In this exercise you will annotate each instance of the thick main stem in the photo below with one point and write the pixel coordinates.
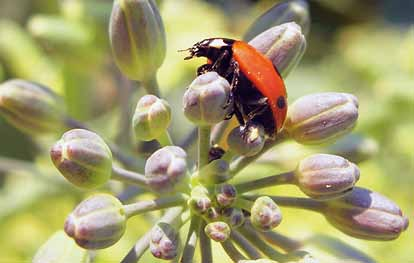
(203, 145)
(284, 178)
(151, 205)
(191, 241)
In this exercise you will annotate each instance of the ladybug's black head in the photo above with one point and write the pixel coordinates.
(210, 48)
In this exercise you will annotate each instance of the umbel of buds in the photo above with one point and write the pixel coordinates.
(83, 158)
(152, 118)
(207, 100)
(323, 176)
(166, 169)
(265, 214)
(137, 36)
(246, 141)
(97, 222)
(321, 117)
(31, 107)
(164, 242)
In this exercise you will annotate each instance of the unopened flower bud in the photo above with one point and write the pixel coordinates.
(207, 99)
(323, 176)
(199, 201)
(321, 117)
(31, 107)
(152, 118)
(355, 148)
(97, 222)
(247, 141)
(83, 158)
(218, 231)
(164, 243)
(367, 215)
(166, 168)
(265, 214)
(137, 36)
(284, 45)
(233, 216)
(225, 194)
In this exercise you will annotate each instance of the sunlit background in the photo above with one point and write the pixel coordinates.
(361, 47)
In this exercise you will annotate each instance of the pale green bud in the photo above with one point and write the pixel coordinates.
(265, 214)
(218, 231)
(247, 141)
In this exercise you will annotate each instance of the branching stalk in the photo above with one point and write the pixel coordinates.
(191, 241)
(245, 245)
(232, 251)
(279, 179)
(157, 204)
(205, 245)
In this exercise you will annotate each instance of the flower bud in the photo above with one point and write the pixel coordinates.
(218, 231)
(284, 45)
(30, 107)
(367, 215)
(166, 168)
(97, 222)
(323, 176)
(225, 194)
(83, 158)
(233, 216)
(265, 214)
(164, 243)
(207, 99)
(152, 118)
(321, 117)
(286, 11)
(199, 201)
(247, 141)
(137, 37)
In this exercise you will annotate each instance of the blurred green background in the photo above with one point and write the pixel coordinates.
(362, 47)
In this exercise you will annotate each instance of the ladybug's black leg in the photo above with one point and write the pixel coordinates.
(203, 69)
(220, 60)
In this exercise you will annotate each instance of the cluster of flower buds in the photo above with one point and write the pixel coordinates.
(209, 196)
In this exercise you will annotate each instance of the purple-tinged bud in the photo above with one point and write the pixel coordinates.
(265, 214)
(97, 222)
(207, 100)
(165, 241)
(247, 141)
(137, 36)
(218, 231)
(31, 107)
(83, 158)
(199, 201)
(321, 117)
(61, 248)
(225, 194)
(233, 216)
(367, 215)
(324, 176)
(152, 118)
(284, 45)
(166, 169)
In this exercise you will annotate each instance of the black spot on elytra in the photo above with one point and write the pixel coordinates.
(281, 103)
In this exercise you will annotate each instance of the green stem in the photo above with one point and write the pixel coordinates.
(157, 204)
(296, 202)
(203, 145)
(124, 134)
(250, 233)
(191, 241)
(241, 162)
(278, 179)
(218, 131)
(245, 245)
(165, 139)
(151, 85)
(232, 251)
(284, 242)
(189, 139)
(142, 244)
(205, 245)
(243, 204)
(126, 176)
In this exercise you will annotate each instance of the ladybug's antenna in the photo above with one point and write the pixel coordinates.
(192, 51)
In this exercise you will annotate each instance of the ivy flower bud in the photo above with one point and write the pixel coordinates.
(152, 118)
(367, 215)
(233, 216)
(247, 141)
(321, 117)
(218, 231)
(164, 242)
(30, 107)
(97, 222)
(199, 201)
(207, 99)
(284, 45)
(83, 158)
(323, 176)
(166, 168)
(137, 37)
(265, 214)
(225, 194)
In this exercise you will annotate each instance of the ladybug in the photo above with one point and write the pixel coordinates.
(258, 90)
